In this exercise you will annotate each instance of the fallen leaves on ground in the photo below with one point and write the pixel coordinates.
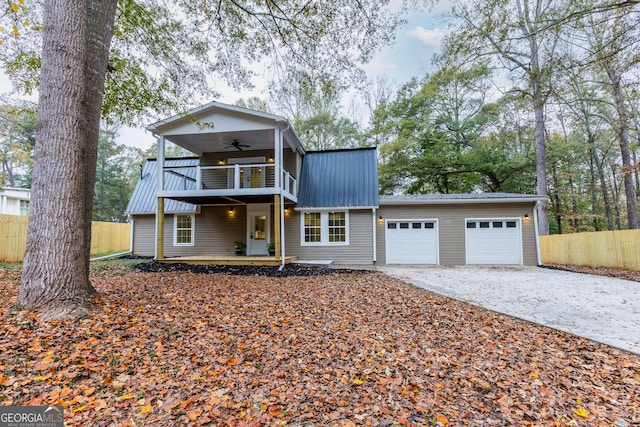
(166, 349)
(618, 273)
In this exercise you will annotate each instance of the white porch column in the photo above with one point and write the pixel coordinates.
(160, 205)
(160, 161)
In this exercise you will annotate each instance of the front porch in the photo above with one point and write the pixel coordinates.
(215, 234)
(230, 260)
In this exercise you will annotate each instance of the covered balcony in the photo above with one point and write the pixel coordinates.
(241, 159)
(237, 153)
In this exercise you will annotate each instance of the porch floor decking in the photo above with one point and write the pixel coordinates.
(229, 260)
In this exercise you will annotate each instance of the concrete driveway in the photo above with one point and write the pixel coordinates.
(599, 308)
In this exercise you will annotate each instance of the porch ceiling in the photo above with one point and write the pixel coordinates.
(221, 141)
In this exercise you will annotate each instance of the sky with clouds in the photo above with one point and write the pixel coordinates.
(410, 56)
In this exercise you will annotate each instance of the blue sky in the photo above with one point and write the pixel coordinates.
(410, 56)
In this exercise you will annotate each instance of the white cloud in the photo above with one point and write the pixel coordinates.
(379, 66)
(429, 38)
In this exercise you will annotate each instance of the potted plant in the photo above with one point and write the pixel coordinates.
(271, 247)
(239, 247)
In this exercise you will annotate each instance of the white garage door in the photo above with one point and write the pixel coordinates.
(493, 241)
(411, 242)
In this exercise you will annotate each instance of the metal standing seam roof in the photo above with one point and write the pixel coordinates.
(143, 199)
(339, 178)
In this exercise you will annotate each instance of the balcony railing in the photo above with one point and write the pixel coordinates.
(236, 177)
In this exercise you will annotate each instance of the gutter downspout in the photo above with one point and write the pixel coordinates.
(537, 233)
(375, 238)
(133, 224)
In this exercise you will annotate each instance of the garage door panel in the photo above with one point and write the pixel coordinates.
(493, 242)
(411, 242)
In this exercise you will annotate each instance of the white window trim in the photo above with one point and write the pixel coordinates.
(175, 230)
(324, 228)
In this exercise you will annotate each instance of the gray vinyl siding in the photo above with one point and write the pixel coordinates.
(215, 232)
(290, 162)
(451, 226)
(359, 250)
(144, 235)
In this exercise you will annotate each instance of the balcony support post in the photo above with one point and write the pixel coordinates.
(160, 161)
(236, 176)
(277, 158)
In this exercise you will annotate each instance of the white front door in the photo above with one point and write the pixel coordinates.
(258, 229)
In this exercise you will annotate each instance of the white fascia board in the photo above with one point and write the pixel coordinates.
(334, 208)
(214, 104)
(460, 201)
(194, 212)
(290, 136)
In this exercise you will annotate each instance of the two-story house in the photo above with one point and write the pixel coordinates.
(251, 183)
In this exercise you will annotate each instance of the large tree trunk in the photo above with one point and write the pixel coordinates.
(541, 154)
(623, 139)
(603, 185)
(75, 50)
(535, 81)
(556, 198)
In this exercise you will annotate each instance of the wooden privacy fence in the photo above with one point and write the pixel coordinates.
(105, 237)
(616, 249)
(110, 237)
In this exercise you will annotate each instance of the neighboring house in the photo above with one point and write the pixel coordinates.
(251, 181)
(14, 201)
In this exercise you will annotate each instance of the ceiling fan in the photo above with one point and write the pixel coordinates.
(236, 144)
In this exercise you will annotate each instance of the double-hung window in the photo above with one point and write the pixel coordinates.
(325, 228)
(183, 230)
(24, 207)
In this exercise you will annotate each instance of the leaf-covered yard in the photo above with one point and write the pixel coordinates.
(345, 349)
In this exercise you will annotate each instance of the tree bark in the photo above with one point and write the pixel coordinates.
(75, 51)
(541, 147)
(556, 198)
(536, 81)
(623, 139)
